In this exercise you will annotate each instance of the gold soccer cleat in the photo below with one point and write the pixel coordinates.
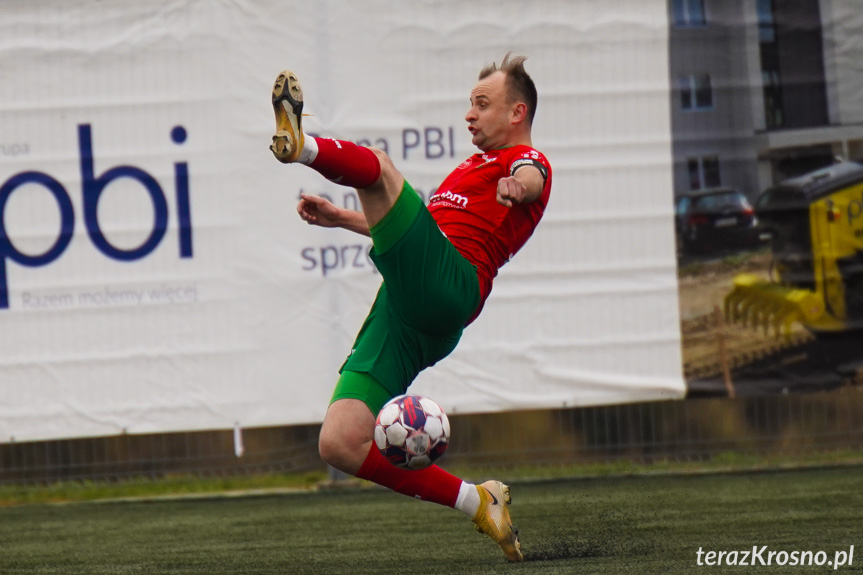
(492, 518)
(288, 106)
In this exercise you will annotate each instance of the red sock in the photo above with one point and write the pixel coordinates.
(429, 484)
(346, 163)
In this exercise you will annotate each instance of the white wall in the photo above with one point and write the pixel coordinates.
(238, 323)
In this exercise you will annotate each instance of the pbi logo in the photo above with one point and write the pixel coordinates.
(92, 186)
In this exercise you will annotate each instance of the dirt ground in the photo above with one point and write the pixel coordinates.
(703, 286)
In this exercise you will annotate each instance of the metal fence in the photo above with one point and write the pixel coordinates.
(684, 430)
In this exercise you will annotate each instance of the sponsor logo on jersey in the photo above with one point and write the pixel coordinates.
(455, 199)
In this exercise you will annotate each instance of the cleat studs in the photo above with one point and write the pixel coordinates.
(287, 100)
(281, 146)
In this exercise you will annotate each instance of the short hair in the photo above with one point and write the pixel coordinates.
(519, 85)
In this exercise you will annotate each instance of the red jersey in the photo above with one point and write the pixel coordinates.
(485, 232)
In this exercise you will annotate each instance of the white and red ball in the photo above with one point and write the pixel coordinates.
(411, 431)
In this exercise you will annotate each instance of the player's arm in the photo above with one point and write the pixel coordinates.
(523, 186)
(317, 211)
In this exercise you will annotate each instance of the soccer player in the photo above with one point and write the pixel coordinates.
(437, 263)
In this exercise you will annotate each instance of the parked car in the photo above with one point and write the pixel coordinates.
(715, 219)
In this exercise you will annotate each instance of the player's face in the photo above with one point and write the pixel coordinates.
(489, 116)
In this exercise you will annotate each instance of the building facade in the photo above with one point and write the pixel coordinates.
(763, 90)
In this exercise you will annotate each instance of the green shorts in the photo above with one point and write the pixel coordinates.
(429, 292)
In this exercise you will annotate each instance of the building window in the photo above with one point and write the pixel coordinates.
(703, 172)
(772, 98)
(770, 77)
(766, 24)
(696, 92)
(688, 12)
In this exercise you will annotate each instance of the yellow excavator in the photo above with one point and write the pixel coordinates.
(815, 224)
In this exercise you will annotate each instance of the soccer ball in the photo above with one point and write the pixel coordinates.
(411, 431)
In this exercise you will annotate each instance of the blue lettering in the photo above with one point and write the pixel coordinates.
(329, 263)
(332, 259)
(451, 132)
(351, 201)
(434, 148)
(308, 255)
(184, 209)
(92, 191)
(7, 248)
(434, 142)
(410, 140)
(92, 187)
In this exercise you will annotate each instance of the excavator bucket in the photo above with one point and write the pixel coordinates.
(757, 303)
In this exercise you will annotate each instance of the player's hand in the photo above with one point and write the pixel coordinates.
(510, 191)
(317, 211)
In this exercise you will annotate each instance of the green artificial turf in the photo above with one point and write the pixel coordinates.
(647, 524)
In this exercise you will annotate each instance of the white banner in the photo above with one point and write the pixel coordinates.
(154, 275)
